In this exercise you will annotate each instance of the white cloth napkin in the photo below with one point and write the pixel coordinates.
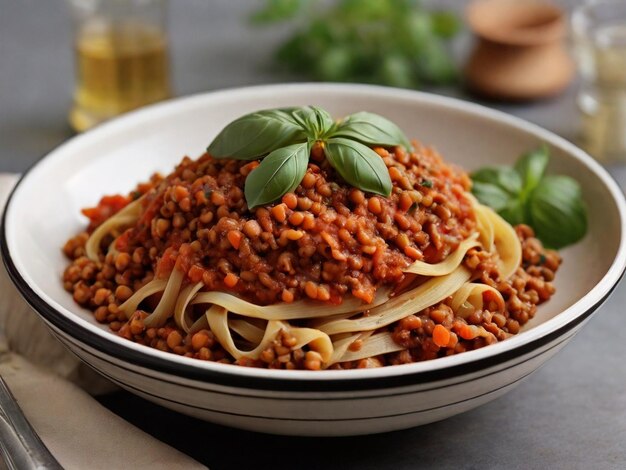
(51, 387)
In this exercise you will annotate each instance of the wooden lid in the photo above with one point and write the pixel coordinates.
(515, 22)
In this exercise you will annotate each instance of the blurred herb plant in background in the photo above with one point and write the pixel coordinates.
(390, 42)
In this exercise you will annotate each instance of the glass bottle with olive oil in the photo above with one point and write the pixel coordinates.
(600, 39)
(122, 61)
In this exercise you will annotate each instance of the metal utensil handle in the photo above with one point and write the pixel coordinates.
(20, 445)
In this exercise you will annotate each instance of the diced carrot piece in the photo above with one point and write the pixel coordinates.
(230, 280)
(468, 332)
(366, 296)
(195, 273)
(441, 336)
(234, 237)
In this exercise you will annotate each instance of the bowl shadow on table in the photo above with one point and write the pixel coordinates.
(434, 445)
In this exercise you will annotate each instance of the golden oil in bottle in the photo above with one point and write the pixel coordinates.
(118, 69)
(602, 99)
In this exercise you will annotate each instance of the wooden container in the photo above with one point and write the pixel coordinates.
(520, 52)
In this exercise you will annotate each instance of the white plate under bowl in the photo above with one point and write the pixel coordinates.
(44, 211)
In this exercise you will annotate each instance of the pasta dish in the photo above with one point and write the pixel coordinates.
(326, 276)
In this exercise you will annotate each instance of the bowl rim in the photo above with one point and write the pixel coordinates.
(146, 359)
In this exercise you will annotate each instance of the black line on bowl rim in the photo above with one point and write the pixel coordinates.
(139, 391)
(264, 397)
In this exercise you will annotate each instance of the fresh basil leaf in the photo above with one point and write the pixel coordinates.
(371, 129)
(305, 117)
(531, 167)
(504, 177)
(359, 165)
(282, 114)
(557, 211)
(491, 195)
(551, 205)
(255, 135)
(326, 123)
(279, 173)
(352, 40)
(514, 212)
(316, 121)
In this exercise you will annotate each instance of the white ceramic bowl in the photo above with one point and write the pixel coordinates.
(44, 211)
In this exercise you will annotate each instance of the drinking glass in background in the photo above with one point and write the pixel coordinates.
(121, 58)
(599, 29)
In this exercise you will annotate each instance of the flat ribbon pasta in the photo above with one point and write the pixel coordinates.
(124, 218)
(217, 317)
(300, 309)
(132, 304)
(375, 345)
(485, 227)
(180, 310)
(446, 266)
(470, 297)
(506, 244)
(429, 293)
(165, 307)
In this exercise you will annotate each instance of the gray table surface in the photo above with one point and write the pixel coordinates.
(570, 414)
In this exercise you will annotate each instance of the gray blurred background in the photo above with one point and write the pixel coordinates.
(213, 46)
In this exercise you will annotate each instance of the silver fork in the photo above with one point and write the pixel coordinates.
(20, 446)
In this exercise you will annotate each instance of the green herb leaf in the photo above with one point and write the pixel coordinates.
(279, 173)
(359, 165)
(371, 129)
(491, 195)
(557, 211)
(282, 139)
(514, 212)
(505, 178)
(257, 134)
(393, 42)
(316, 121)
(531, 168)
(551, 205)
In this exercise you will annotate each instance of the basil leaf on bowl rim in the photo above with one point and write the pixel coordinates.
(371, 129)
(491, 195)
(255, 135)
(359, 165)
(504, 177)
(531, 167)
(277, 174)
(557, 211)
(514, 212)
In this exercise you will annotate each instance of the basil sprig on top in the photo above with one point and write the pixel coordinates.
(283, 138)
(551, 204)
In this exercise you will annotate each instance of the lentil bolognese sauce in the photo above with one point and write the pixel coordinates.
(325, 276)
